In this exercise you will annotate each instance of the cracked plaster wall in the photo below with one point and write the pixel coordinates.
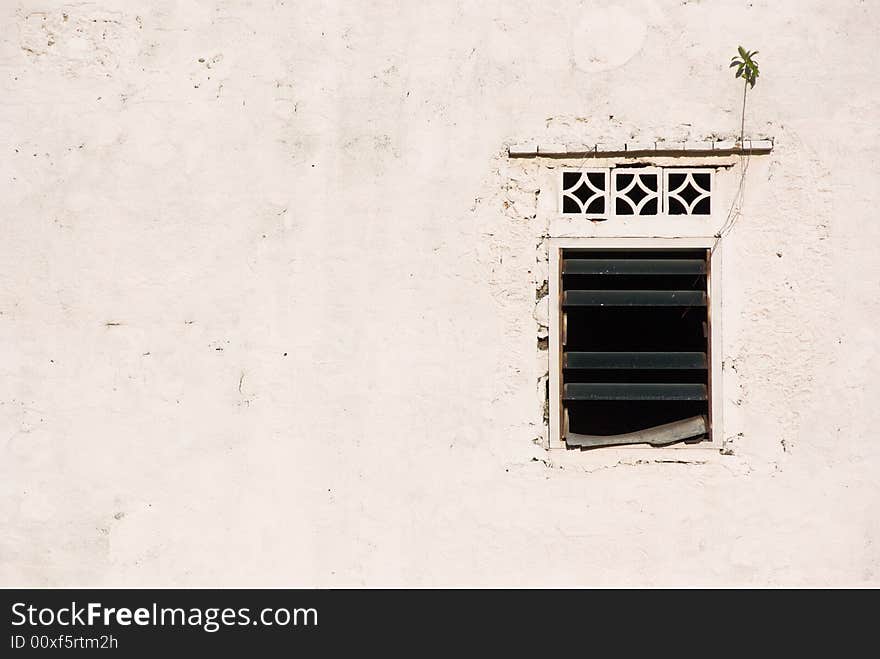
(268, 297)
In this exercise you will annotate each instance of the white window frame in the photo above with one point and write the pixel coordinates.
(713, 288)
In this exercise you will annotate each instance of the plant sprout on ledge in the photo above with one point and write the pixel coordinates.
(747, 69)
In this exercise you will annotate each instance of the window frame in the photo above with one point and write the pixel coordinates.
(713, 288)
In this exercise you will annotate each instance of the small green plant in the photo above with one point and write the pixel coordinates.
(747, 69)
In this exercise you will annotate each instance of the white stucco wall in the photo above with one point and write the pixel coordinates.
(268, 281)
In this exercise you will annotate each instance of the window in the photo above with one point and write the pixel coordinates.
(632, 338)
(622, 192)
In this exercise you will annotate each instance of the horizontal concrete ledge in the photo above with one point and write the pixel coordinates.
(716, 148)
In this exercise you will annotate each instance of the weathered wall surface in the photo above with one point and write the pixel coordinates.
(268, 282)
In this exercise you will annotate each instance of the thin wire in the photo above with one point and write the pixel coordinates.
(587, 154)
(736, 205)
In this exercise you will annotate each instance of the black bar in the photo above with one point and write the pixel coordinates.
(397, 622)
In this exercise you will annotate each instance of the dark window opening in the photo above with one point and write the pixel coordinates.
(582, 192)
(674, 207)
(597, 179)
(635, 362)
(702, 179)
(702, 207)
(569, 205)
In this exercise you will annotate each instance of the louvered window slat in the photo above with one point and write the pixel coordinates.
(633, 391)
(636, 298)
(633, 360)
(634, 266)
